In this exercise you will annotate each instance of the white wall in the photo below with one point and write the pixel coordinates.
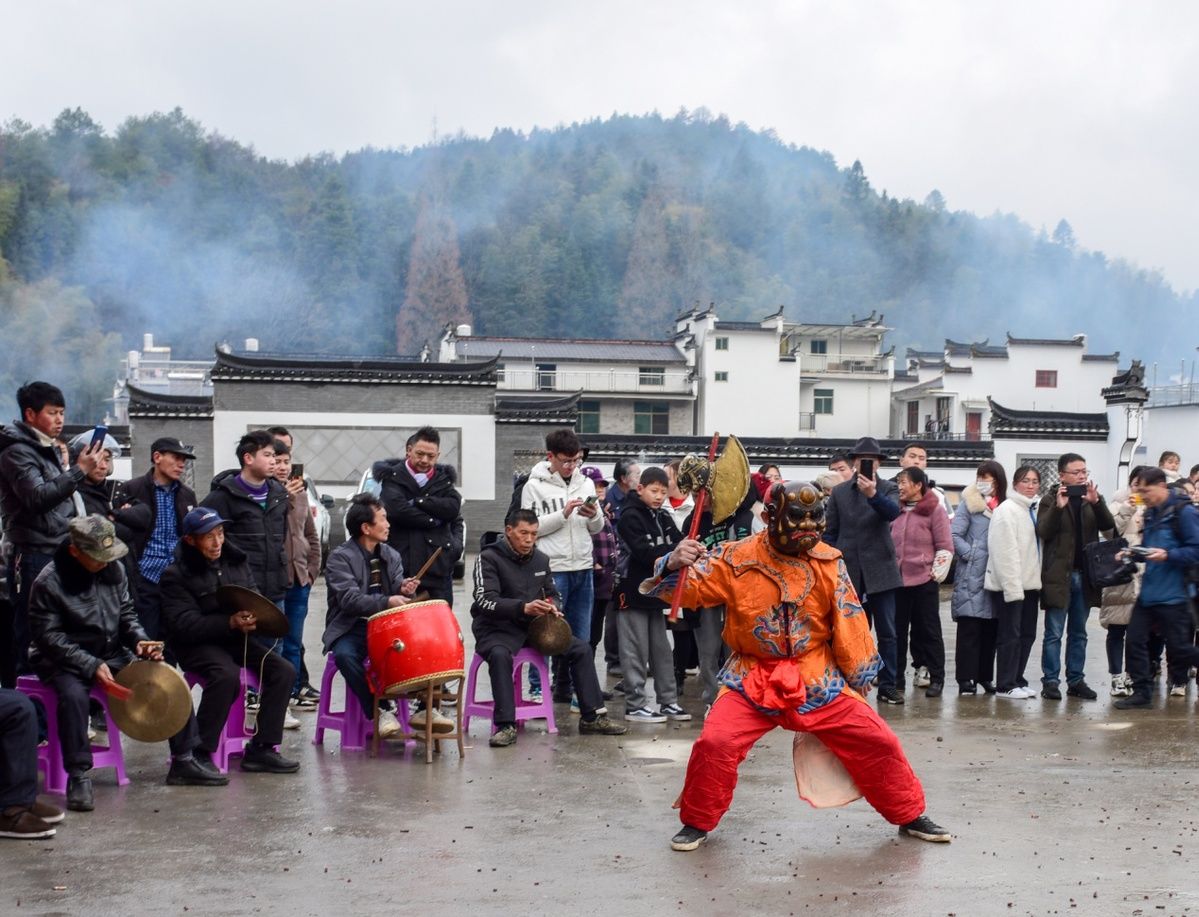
(1175, 428)
(761, 396)
(861, 407)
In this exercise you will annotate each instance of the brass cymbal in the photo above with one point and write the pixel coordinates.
(550, 634)
(160, 705)
(271, 622)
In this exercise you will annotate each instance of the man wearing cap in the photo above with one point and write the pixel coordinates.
(169, 500)
(213, 644)
(859, 514)
(84, 631)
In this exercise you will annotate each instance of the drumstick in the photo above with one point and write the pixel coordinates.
(118, 692)
(428, 563)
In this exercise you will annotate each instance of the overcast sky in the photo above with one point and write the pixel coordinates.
(1083, 110)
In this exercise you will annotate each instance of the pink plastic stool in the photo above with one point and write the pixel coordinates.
(49, 757)
(354, 725)
(235, 736)
(525, 710)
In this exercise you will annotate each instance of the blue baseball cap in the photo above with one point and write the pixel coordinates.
(201, 520)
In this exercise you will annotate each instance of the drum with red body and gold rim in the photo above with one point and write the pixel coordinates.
(413, 645)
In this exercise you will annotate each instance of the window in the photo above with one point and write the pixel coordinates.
(652, 375)
(499, 374)
(819, 346)
(546, 373)
(822, 401)
(589, 417)
(1046, 378)
(944, 409)
(722, 343)
(651, 417)
(913, 426)
(722, 376)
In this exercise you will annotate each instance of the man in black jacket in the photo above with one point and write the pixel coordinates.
(85, 630)
(168, 499)
(213, 644)
(254, 507)
(424, 510)
(512, 586)
(37, 499)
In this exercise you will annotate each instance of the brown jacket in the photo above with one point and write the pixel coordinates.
(302, 545)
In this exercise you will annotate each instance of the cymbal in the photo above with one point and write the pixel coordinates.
(271, 622)
(160, 705)
(550, 634)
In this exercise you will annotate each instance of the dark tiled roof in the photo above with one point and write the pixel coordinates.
(925, 354)
(1077, 341)
(1101, 357)
(562, 412)
(600, 351)
(958, 349)
(742, 326)
(154, 404)
(255, 367)
(1009, 423)
(607, 447)
(960, 370)
(902, 375)
(989, 350)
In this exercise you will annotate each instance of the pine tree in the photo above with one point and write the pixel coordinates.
(436, 291)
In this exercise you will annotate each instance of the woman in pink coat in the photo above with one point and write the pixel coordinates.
(919, 533)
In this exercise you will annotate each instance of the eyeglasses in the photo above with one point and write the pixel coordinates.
(568, 462)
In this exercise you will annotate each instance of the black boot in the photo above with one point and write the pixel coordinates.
(80, 797)
(189, 772)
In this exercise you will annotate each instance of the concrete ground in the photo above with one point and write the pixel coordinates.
(1057, 807)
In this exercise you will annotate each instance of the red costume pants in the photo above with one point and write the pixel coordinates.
(850, 728)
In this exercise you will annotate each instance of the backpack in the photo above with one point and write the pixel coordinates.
(518, 489)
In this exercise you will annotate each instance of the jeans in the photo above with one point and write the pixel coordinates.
(1074, 620)
(18, 750)
(295, 606)
(349, 652)
(576, 591)
(880, 606)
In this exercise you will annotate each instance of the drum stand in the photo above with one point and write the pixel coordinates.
(432, 693)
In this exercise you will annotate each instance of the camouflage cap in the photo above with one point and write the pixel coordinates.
(95, 536)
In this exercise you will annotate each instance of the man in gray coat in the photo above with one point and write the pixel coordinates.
(859, 515)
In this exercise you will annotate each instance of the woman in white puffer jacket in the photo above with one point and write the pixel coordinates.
(1013, 582)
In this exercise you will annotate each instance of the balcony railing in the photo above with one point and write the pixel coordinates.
(1187, 393)
(941, 435)
(850, 363)
(633, 380)
(807, 422)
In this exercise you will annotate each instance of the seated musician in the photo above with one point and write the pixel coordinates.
(363, 577)
(513, 586)
(85, 630)
(214, 645)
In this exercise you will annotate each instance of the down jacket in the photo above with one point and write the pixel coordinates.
(1013, 555)
(919, 533)
(565, 540)
(35, 492)
(1116, 606)
(191, 614)
(257, 532)
(79, 619)
(970, 525)
(422, 519)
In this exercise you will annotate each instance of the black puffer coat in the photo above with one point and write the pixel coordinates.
(504, 582)
(80, 619)
(422, 519)
(35, 493)
(260, 534)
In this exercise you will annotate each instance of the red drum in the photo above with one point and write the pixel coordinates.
(413, 645)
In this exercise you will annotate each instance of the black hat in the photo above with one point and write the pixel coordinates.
(170, 444)
(866, 446)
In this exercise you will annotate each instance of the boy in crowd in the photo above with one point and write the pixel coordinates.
(648, 532)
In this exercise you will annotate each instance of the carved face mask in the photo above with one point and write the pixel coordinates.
(796, 517)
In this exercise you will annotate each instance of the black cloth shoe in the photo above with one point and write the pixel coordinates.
(80, 797)
(987, 686)
(890, 696)
(1083, 690)
(188, 772)
(19, 823)
(259, 759)
(934, 689)
(967, 687)
(688, 838)
(204, 760)
(601, 726)
(1133, 701)
(1051, 692)
(608, 695)
(504, 736)
(927, 830)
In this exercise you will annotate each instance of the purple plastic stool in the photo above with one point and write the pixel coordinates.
(235, 736)
(49, 757)
(355, 726)
(525, 710)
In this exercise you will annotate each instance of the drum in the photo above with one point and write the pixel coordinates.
(413, 645)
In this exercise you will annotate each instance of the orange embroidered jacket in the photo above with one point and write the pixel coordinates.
(798, 634)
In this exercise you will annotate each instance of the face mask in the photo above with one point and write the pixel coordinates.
(983, 487)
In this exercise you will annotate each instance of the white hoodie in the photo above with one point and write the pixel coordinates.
(565, 540)
(1013, 558)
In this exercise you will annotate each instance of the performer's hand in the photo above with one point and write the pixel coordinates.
(1062, 498)
(868, 487)
(686, 553)
(394, 601)
(571, 506)
(409, 586)
(243, 621)
(149, 649)
(89, 459)
(539, 607)
(104, 676)
(1092, 496)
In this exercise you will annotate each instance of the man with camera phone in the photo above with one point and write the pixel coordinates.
(1067, 522)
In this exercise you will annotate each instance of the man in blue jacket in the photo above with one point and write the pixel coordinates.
(1171, 542)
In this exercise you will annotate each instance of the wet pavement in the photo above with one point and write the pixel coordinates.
(1057, 807)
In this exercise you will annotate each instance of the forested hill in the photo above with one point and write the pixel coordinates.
(601, 229)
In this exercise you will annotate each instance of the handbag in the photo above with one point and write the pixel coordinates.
(1103, 567)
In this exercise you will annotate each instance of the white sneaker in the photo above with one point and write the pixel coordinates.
(1017, 693)
(1178, 690)
(1121, 686)
(289, 721)
(441, 722)
(389, 726)
(922, 679)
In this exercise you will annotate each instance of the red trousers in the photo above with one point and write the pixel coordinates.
(850, 728)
